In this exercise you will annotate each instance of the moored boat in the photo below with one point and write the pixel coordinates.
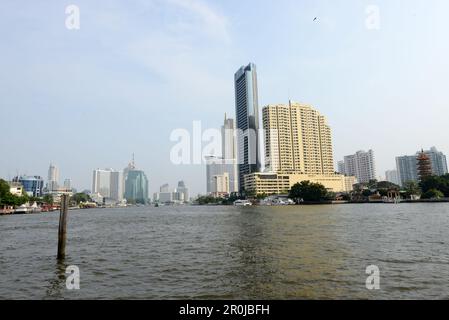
(242, 203)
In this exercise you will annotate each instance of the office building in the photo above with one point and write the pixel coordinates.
(181, 193)
(33, 185)
(247, 121)
(116, 186)
(53, 178)
(101, 182)
(226, 164)
(136, 187)
(179, 196)
(220, 185)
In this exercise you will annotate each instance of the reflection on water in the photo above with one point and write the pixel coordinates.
(306, 252)
(56, 284)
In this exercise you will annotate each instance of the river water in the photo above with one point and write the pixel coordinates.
(295, 252)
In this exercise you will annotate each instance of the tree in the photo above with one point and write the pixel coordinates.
(205, 200)
(308, 191)
(412, 188)
(367, 193)
(387, 185)
(81, 197)
(261, 196)
(8, 199)
(432, 194)
(435, 183)
(48, 199)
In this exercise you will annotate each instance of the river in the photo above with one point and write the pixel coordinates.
(293, 252)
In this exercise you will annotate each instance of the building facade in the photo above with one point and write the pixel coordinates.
(53, 178)
(136, 187)
(361, 165)
(101, 182)
(298, 147)
(181, 193)
(407, 166)
(278, 183)
(116, 186)
(247, 121)
(393, 177)
(297, 140)
(33, 185)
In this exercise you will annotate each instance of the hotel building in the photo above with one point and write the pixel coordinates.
(298, 147)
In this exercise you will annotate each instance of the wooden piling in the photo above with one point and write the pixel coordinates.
(62, 233)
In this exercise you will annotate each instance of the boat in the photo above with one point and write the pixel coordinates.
(242, 203)
(23, 209)
(35, 208)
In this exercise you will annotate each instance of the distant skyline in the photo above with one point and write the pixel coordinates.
(136, 70)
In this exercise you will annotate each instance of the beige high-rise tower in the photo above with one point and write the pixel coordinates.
(297, 140)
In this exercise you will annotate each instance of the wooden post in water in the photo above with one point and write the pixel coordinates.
(62, 233)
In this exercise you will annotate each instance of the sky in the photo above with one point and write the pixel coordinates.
(136, 70)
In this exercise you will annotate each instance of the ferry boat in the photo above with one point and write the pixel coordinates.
(242, 203)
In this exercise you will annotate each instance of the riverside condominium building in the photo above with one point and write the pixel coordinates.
(361, 165)
(407, 166)
(297, 140)
(298, 147)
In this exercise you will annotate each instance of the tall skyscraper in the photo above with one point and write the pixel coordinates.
(136, 187)
(438, 161)
(247, 121)
(53, 178)
(229, 145)
(181, 193)
(297, 140)
(226, 164)
(361, 165)
(116, 186)
(101, 182)
(407, 166)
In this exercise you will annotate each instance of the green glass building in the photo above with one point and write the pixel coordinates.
(136, 187)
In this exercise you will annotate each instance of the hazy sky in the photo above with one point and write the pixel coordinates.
(136, 70)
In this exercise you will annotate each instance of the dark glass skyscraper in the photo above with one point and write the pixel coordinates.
(247, 121)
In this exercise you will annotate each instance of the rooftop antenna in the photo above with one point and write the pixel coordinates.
(133, 163)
